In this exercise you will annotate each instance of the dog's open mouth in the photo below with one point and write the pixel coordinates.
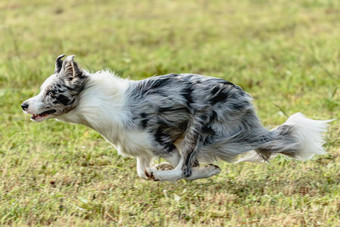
(41, 116)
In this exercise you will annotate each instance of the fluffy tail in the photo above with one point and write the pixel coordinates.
(299, 138)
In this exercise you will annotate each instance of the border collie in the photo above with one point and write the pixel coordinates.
(186, 119)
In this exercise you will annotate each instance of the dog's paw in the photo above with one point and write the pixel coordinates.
(164, 166)
(187, 172)
(213, 169)
(149, 174)
(143, 176)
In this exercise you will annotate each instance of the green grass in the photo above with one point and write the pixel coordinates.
(286, 54)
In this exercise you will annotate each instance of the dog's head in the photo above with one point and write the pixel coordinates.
(59, 93)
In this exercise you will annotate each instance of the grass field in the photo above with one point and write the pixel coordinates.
(285, 53)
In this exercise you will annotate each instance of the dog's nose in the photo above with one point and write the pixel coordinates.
(24, 106)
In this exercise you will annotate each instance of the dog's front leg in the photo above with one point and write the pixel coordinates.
(142, 164)
(177, 173)
(166, 175)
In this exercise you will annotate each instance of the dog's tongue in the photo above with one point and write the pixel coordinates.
(36, 116)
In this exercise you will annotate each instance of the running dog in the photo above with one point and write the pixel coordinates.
(186, 119)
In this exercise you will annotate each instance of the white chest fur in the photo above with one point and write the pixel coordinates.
(132, 143)
(103, 108)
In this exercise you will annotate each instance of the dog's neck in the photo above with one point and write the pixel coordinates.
(102, 105)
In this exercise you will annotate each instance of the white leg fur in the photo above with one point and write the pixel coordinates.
(177, 173)
(174, 159)
(204, 172)
(170, 175)
(142, 164)
(159, 174)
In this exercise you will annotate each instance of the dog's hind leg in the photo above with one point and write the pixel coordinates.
(170, 170)
(204, 172)
(193, 142)
(164, 172)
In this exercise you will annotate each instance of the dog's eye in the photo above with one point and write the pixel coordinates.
(50, 93)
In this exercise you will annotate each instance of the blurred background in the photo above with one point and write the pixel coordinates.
(284, 53)
(278, 47)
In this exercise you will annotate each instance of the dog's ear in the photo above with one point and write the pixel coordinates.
(59, 63)
(71, 69)
(73, 75)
